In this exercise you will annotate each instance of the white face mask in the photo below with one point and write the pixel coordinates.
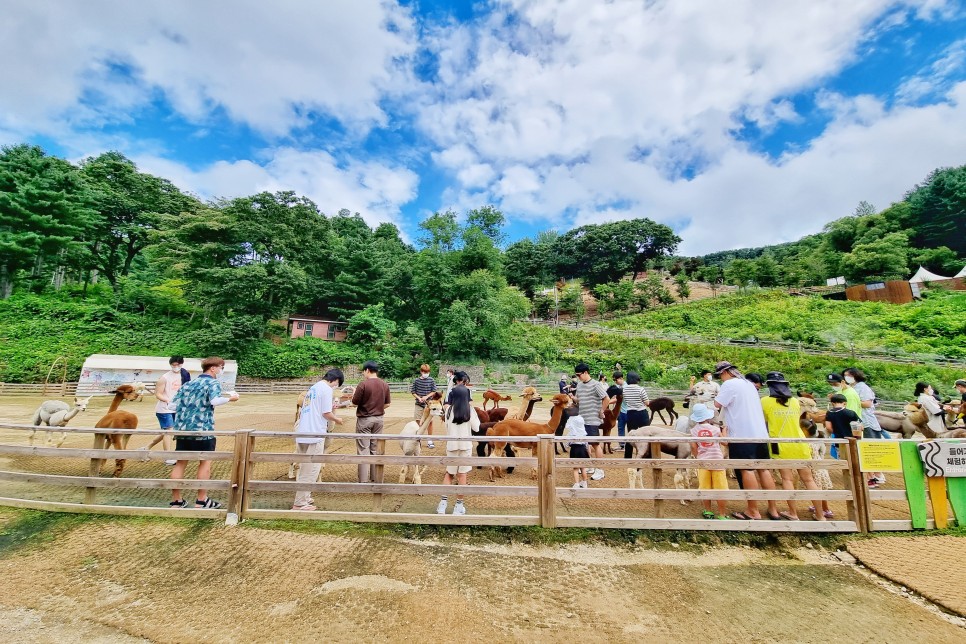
(850, 380)
(176, 369)
(708, 378)
(424, 375)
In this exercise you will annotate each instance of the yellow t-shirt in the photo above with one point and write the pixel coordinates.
(783, 423)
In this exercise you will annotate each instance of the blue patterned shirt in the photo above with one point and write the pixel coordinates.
(195, 413)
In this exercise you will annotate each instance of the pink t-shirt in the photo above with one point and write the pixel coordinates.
(709, 449)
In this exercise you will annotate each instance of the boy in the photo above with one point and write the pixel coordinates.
(708, 479)
(838, 419)
(592, 400)
(165, 389)
(422, 388)
(316, 418)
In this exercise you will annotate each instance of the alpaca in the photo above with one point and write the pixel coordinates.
(810, 409)
(115, 419)
(678, 449)
(896, 423)
(528, 398)
(916, 414)
(610, 421)
(662, 404)
(517, 427)
(491, 396)
(411, 447)
(55, 413)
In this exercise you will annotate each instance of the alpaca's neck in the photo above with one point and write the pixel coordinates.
(555, 417)
(115, 403)
(529, 410)
(427, 419)
(524, 408)
(70, 414)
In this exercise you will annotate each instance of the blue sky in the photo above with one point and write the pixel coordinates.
(737, 123)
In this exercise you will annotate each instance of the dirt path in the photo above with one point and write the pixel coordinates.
(170, 581)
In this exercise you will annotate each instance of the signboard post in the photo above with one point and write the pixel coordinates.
(879, 456)
(944, 462)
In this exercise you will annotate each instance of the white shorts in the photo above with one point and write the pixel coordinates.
(453, 470)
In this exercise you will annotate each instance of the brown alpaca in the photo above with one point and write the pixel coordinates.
(491, 396)
(116, 419)
(919, 417)
(610, 421)
(516, 427)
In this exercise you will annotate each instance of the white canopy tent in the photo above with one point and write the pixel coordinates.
(922, 275)
(961, 273)
(102, 373)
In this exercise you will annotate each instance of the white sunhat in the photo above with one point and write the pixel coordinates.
(700, 413)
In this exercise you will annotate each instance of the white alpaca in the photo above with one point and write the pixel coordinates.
(679, 450)
(55, 413)
(411, 447)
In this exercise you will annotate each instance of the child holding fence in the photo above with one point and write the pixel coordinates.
(578, 449)
(821, 476)
(708, 479)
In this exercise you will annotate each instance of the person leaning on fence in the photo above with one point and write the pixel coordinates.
(741, 408)
(782, 412)
(371, 398)
(461, 423)
(592, 400)
(164, 390)
(709, 479)
(422, 388)
(575, 428)
(316, 418)
(195, 403)
(638, 415)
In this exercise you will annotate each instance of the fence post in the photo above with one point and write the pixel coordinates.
(246, 474)
(657, 478)
(859, 508)
(100, 442)
(239, 466)
(547, 481)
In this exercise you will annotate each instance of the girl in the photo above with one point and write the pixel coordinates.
(822, 478)
(926, 396)
(578, 449)
(461, 422)
(635, 397)
(782, 412)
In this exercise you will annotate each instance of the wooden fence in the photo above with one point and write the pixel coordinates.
(548, 496)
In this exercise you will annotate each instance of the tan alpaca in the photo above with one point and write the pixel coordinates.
(118, 419)
(55, 413)
(411, 447)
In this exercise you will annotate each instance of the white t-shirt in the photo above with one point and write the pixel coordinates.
(741, 408)
(317, 402)
(172, 383)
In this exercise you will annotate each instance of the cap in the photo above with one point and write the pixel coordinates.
(833, 377)
(961, 383)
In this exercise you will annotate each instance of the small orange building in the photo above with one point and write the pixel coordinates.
(306, 326)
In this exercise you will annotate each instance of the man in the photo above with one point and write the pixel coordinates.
(961, 388)
(164, 390)
(196, 402)
(617, 389)
(371, 398)
(563, 385)
(705, 390)
(316, 416)
(592, 400)
(450, 382)
(422, 388)
(743, 416)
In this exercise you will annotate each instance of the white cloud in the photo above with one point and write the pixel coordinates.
(264, 64)
(375, 190)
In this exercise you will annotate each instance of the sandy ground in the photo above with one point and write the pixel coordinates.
(118, 580)
(276, 412)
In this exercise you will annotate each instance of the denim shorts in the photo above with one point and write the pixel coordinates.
(166, 420)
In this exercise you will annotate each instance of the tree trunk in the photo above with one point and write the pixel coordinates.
(6, 285)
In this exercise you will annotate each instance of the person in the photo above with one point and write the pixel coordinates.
(706, 389)
(575, 428)
(371, 398)
(821, 475)
(164, 390)
(708, 479)
(592, 400)
(422, 388)
(961, 388)
(855, 378)
(195, 403)
(756, 379)
(926, 396)
(782, 412)
(450, 373)
(563, 385)
(839, 385)
(316, 418)
(461, 422)
(839, 418)
(741, 408)
(615, 390)
(638, 414)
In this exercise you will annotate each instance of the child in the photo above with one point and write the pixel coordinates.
(821, 476)
(838, 418)
(708, 479)
(575, 428)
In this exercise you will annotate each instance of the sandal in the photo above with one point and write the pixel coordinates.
(828, 514)
(740, 516)
(787, 517)
(707, 514)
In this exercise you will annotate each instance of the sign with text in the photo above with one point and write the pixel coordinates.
(879, 456)
(943, 458)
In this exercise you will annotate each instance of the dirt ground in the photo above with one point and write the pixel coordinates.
(276, 412)
(125, 580)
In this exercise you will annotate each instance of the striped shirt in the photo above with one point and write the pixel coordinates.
(635, 397)
(421, 387)
(590, 396)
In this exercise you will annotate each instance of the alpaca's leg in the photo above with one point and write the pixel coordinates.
(318, 479)
(49, 439)
(30, 439)
(402, 473)
(631, 477)
(418, 474)
(291, 470)
(63, 437)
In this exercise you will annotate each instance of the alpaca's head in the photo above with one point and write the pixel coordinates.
(807, 404)
(130, 392)
(561, 401)
(81, 403)
(916, 413)
(529, 393)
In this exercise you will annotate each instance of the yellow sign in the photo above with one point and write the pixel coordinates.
(879, 456)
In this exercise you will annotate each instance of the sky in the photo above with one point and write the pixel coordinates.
(737, 123)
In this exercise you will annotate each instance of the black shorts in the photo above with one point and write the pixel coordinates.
(194, 444)
(579, 450)
(592, 430)
(748, 451)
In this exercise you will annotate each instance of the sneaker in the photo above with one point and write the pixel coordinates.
(583, 485)
(577, 485)
(459, 509)
(308, 507)
(597, 475)
(430, 445)
(880, 479)
(873, 484)
(171, 461)
(178, 504)
(207, 504)
(441, 508)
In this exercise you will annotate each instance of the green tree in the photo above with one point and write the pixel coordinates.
(942, 260)
(572, 301)
(740, 273)
(883, 259)
(600, 253)
(371, 327)
(766, 271)
(938, 210)
(682, 286)
(489, 221)
(441, 231)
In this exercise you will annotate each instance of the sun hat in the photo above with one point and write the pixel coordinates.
(700, 413)
(775, 376)
(722, 366)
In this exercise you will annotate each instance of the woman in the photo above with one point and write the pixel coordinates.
(461, 422)
(926, 396)
(856, 379)
(636, 399)
(782, 412)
